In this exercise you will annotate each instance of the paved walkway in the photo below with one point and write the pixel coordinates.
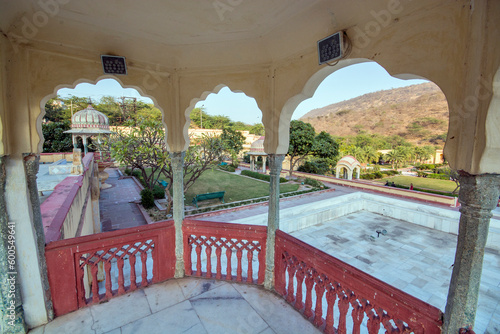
(186, 305)
(115, 205)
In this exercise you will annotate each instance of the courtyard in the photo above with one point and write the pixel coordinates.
(415, 259)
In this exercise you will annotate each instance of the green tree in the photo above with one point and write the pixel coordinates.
(371, 154)
(55, 140)
(301, 142)
(392, 157)
(143, 147)
(55, 111)
(232, 142)
(325, 146)
(257, 129)
(110, 107)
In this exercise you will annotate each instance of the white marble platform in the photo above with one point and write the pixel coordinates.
(306, 215)
(415, 259)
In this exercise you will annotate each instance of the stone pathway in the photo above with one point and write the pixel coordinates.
(186, 305)
(115, 205)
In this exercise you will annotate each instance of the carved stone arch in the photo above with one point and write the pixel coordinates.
(310, 88)
(203, 97)
(44, 100)
(490, 158)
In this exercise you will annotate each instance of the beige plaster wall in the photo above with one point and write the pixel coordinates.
(78, 208)
(452, 43)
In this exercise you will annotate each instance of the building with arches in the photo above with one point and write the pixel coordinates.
(87, 123)
(347, 166)
(179, 52)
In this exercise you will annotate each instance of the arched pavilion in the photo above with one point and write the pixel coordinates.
(88, 123)
(179, 52)
(349, 164)
(257, 150)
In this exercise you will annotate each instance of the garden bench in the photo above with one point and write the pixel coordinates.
(207, 196)
(163, 183)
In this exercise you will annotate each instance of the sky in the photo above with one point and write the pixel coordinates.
(344, 84)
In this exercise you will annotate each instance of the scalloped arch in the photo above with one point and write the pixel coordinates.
(489, 160)
(203, 97)
(308, 92)
(44, 100)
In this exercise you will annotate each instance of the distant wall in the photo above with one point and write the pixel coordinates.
(68, 211)
(53, 157)
(410, 194)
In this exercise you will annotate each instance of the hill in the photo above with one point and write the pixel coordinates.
(418, 113)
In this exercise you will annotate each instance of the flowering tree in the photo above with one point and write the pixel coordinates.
(143, 147)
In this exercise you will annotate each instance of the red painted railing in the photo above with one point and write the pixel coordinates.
(122, 260)
(244, 251)
(304, 273)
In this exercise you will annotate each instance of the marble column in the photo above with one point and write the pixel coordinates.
(178, 209)
(478, 197)
(275, 165)
(10, 293)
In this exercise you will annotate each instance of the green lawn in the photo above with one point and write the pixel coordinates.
(237, 187)
(421, 182)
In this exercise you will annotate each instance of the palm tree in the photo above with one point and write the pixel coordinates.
(371, 154)
(392, 157)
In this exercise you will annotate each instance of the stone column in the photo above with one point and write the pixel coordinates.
(273, 219)
(252, 163)
(10, 293)
(31, 165)
(264, 158)
(94, 197)
(178, 209)
(84, 138)
(478, 196)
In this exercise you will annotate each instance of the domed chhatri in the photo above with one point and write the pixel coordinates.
(87, 123)
(89, 118)
(258, 147)
(256, 150)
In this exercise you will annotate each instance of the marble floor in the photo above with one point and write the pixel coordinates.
(415, 259)
(186, 305)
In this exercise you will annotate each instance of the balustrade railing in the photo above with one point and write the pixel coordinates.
(326, 290)
(237, 250)
(104, 265)
(335, 296)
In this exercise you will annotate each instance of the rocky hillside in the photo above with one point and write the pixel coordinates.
(418, 113)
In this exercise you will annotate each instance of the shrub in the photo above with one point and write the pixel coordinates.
(147, 198)
(426, 166)
(227, 168)
(438, 176)
(127, 171)
(158, 192)
(137, 173)
(259, 176)
(314, 183)
(317, 166)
